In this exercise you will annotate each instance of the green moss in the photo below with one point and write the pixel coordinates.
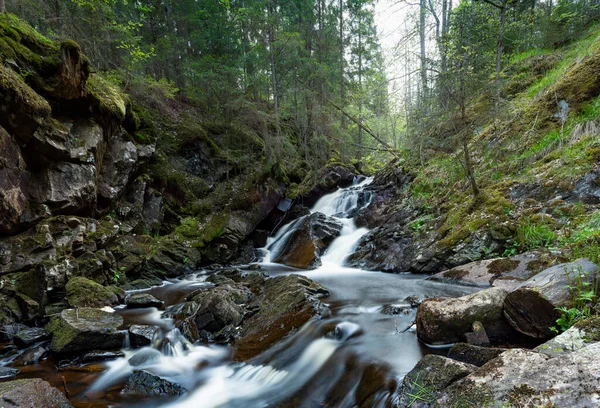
(14, 89)
(591, 327)
(455, 274)
(83, 292)
(110, 99)
(500, 266)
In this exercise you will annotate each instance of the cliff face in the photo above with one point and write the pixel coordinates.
(91, 186)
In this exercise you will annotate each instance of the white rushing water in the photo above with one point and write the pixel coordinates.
(341, 205)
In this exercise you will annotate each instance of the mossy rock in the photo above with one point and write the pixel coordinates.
(110, 101)
(83, 292)
(85, 329)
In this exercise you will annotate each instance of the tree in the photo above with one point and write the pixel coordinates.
(2, 6)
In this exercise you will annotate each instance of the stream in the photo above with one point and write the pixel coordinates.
(329, 362)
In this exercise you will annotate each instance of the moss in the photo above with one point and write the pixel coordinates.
(591, 327)
(83, 292)
(455, 274)
(111, 101)
(500, 266)
(14, 89)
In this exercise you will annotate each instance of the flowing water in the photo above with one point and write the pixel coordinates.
(332, 361)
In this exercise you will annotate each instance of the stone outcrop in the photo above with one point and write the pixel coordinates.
(32, 392)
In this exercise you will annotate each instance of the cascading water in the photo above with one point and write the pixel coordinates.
(352, 347)
(341, 205)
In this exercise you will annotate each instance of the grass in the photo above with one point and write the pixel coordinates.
(522, 56)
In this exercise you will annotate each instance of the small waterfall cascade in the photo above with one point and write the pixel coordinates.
(342, 205)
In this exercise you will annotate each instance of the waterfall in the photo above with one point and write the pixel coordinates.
(342, 205)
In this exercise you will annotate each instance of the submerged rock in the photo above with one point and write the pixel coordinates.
(304, 247)
(32, 355)
(85, 329)
(28, 336)
(532, 307)
(142, 335)
(142, 383)
(31, 393)
(445, 321)
(7, 372)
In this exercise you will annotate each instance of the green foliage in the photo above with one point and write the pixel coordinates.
(420, 393)
(585, 299)
(532, 235)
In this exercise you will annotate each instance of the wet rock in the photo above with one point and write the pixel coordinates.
(393, 310)
(142, 383)
(587, 189)
(144, 357)
(7, 373)
(532, 307)
(32, 355)
(28, 336)
(101, 356)
(507, 273)
(284, 305)
(304, 247)
(85, 329)
(474, 355)
(82, 292)
(445, 321)
(141, 300)
(478, 337)
(142, 335)
(31, 393)
(118, 164)
(430, 376)
(415, 300)
(525, 378)
(326, 180)
(221, 309)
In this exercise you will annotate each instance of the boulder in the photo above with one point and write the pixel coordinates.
(532, 307)
(474, 355)
(305, 245)
(478, 337)
(32, 355)
(587, 189)
(326, 180)
(31, 393)
(142, 335)
(507, 273)
(140, 300)
(142, 383)
(525, 378)
(83, 292)
(430, 376)
(85, 329)
(445, 321)
(14, 184)
(284, 304)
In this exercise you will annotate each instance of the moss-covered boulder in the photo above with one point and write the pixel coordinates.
(75, 331)
(445, 321)
(83, 292)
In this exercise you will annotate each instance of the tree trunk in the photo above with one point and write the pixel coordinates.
(500, 46)
(422, 15)
(2, 6)
(271, 40)
(360, 88)
(342, 64)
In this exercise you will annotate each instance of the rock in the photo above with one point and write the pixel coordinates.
(144, 357)
(94, 356)
(142, 335)
(66, 188)
(28, 336)
(304, 247)
(507, 273)
(118, 164)
(474, 355)
(531, 308)
(7, 373)
(393, 310)
(82, 292)
(31, 393)
(142, 383)
(14, 184)
(578, 336)
(415, 300)
(31, 356)
(85, 329)
(525, 378)
(587, 189)
(430, 376)
(478, 337)
(326, 180)
(141, 300)
(284, 305)
(221, 309)
(445, 321)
